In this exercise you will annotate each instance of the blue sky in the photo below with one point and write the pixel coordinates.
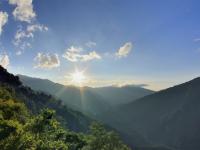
(115, 42)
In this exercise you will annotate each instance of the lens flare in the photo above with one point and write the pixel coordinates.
(78, 77)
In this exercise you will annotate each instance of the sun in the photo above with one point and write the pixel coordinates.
(78, 77)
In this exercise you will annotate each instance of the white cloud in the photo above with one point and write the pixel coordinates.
(73, 54)
(47, 61)
(73, 57)
(90, 44)
(75, 49)
(4, 60)
(3, 20)
(29, 32)
(24, 10)
(21, 36)
(124, 50)
(36, 27)
(92, 55)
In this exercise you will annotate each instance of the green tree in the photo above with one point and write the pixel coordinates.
(100, 139)
(20, 131)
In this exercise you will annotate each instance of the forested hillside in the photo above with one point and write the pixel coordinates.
(26, 122)
(97, 101)
(36, 101)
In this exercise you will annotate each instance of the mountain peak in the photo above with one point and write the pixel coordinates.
(8, 78)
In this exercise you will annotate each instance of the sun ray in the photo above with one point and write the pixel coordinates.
(78, 78)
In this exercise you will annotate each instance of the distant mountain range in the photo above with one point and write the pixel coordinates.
(169, 117)
(35, 120)
(36, 101)
(92, 101)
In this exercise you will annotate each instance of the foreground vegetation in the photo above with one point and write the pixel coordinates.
(21, 130)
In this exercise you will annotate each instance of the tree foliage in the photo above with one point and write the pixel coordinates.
(20, 130)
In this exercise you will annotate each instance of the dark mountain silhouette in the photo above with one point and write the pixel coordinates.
(8, 78)
(80, 99)
(169, 117)
(92, 101)
(97, 100)
(28, 120)
(36, 101)
(121, 95)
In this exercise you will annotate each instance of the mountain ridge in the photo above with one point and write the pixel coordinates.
(168, 117)
(36, 101)
(111, 95)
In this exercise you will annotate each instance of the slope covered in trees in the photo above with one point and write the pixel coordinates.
(36, 101)
(23, 127)
(19, 130)
(91, 101)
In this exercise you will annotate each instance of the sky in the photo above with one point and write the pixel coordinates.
(108, 42)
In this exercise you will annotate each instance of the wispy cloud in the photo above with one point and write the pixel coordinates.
(36, 27)
(90, 44)
(90, 56)
(47, 61)
(75, 49)
(21, 37)
(3, 20)
(197, 40)
(124, 50)
(24, 10)
(74, 54)
(28, 33)
(4, 60)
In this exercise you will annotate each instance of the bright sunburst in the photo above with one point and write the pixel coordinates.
(78, 77)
